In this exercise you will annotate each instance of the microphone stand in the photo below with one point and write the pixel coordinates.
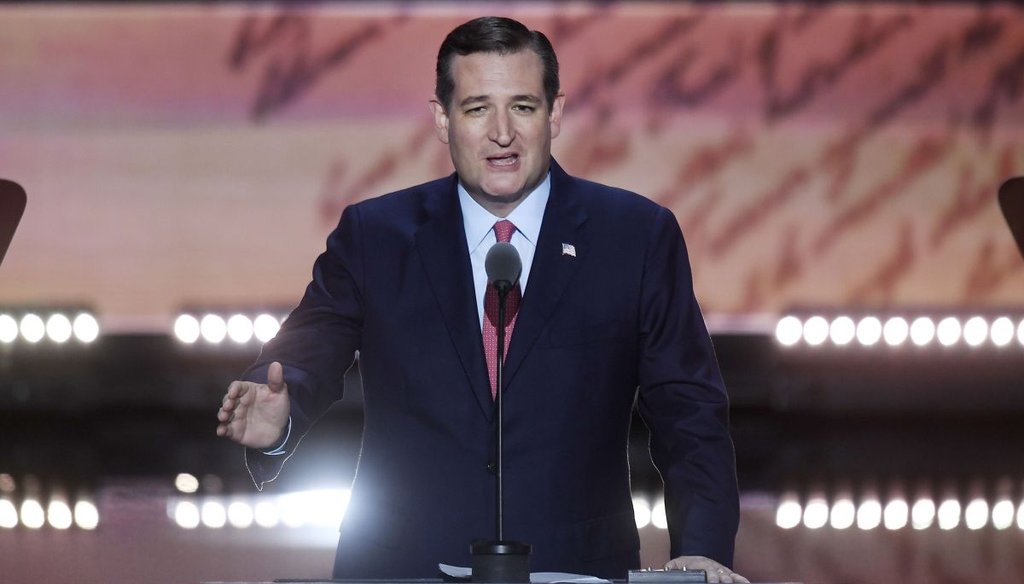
(499, 386)
(500, 560)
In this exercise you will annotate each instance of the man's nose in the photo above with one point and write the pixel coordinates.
(502, 130)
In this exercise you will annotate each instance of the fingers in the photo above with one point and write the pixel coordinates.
(275, 377)
(232, 407)
(715, 572)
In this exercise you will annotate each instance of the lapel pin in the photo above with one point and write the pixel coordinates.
(568, 249)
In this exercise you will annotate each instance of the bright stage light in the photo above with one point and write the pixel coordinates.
(186, 483)
(8, 514)
(87, 516)
(1002, 514)
(922, 514)
(266, 514)
(948, 331)
(949, 514)
(895, 514)
(1020, 332)
(293, 510)
(319, 508)
(213, 328)
(975, 331)
(816, 513)
(789, 512)
(641, 512)
(922, 331)
(186, 514)
(789, 331)
(976, 514)
(58, 328)
(240, 514)
(842, 330)
(895, 331)
(869, 514)
(265, 327)
(32, 514)
(869, 330)
(240, 328)
(186, 328)
(8, 329)
(33, 329)
(1001, 331)
(842, 514)
(85, 328)
(213, 514)
(58, 514)
(815, 330)
(658, 517)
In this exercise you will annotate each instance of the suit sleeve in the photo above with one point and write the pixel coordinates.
(683, 401)
(317, 342)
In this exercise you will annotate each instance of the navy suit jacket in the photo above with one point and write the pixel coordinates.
(614, 326)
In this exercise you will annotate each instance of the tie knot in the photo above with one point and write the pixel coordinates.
(503, 230)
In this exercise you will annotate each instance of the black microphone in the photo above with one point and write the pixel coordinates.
(501, 560)
(503, 266)
(1011, 201)
(12, 205)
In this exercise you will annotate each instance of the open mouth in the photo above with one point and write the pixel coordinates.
(503, 160)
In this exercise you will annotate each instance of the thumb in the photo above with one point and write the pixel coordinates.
(275, 377)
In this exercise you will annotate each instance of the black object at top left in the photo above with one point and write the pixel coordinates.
(12, 206)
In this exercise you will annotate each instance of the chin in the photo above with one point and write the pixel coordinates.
(504, 193)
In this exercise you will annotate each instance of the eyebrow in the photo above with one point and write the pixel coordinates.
(482, 98)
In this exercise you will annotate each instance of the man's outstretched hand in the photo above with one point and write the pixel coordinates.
(256, 414)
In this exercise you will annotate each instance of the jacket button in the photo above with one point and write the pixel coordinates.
(492, 467)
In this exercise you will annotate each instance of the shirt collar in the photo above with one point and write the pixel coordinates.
(527, 216)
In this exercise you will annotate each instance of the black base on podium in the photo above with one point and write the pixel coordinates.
(500, 561)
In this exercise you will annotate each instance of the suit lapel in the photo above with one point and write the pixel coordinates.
(552, 268)
(441, 243)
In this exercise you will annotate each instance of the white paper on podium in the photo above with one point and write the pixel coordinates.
(535, 577)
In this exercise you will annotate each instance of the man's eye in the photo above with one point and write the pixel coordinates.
(523, 108)
(476, 110)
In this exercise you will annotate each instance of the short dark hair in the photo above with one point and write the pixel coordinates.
(494, 34)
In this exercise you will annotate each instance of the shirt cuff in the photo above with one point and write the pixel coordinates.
(279, 450)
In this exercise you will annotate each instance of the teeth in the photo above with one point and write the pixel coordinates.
(504, 161)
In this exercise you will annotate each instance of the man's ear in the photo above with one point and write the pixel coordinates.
(440, 120)
(555, 116)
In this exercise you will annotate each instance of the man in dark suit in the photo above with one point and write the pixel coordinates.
(607, 319)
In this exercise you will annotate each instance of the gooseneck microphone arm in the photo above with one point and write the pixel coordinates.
(503, 267)
(499, 385)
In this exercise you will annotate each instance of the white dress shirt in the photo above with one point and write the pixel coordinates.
(480, 236)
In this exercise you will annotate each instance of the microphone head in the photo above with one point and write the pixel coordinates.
(503, 265)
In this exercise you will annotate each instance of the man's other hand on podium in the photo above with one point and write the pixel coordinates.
(716, 572)
(256, 414)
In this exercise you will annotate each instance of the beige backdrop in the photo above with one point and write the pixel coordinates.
(840, 156)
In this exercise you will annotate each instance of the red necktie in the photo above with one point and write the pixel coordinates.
(503, 230)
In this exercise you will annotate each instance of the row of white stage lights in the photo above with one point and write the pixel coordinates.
(896, 331)
(59, 512)
(323, 508)
(216, 329)
(56, 327)
(898, 513)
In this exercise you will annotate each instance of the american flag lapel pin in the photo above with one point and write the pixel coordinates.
(568, 249)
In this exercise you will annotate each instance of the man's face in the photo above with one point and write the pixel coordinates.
(498, 126)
